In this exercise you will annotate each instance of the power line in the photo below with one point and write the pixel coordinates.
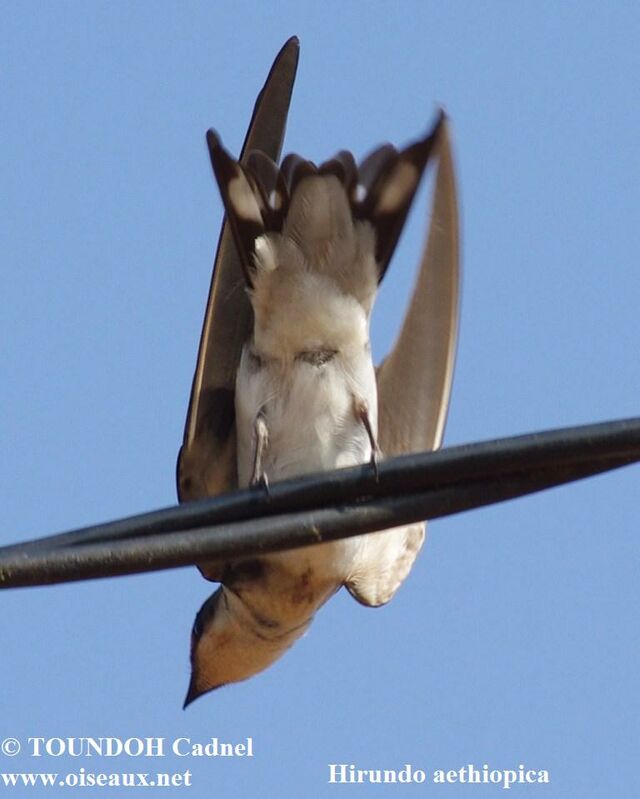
(325, 507)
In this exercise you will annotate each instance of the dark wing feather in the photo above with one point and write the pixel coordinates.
(374, 164)
(244, 202)
(391, 180)
(344, 167)
(269, 180)
(207, 459)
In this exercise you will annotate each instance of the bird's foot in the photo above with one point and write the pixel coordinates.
(261, 433)
(361, 409)
(261, 481)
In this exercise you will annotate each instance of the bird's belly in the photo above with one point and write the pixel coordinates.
(312, 426)
(312, 437)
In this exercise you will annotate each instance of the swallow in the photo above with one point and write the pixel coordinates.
(312, 244)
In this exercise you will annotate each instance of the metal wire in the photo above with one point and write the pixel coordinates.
(324, 507)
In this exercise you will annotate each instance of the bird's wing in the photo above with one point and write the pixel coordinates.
(207, 459)
(414, 381)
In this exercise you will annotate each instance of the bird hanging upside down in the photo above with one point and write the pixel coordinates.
(314, 244)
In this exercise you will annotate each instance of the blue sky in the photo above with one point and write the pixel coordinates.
(515, 639)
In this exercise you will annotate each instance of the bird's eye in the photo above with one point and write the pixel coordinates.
(316, 357)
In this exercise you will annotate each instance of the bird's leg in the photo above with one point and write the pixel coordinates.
(261, 432)
(361, 409)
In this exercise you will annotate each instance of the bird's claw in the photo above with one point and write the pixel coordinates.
(261, 481)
